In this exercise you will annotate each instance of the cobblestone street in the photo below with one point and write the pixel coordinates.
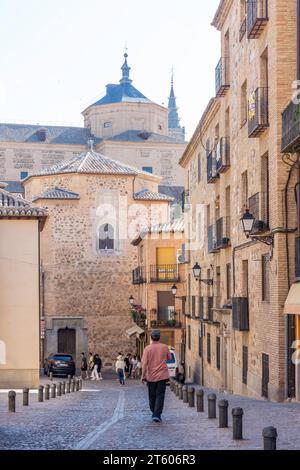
(105, 416)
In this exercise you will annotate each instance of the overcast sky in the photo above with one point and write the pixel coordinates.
(56, 56)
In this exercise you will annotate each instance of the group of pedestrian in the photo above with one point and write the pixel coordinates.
(128, 367)
(91, 366)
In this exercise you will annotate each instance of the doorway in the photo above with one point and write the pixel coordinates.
(66, 341)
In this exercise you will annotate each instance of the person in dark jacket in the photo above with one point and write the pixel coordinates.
(97, 367)
(84, 367)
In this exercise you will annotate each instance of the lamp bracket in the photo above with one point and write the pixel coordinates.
(208, 282)
(266, 239)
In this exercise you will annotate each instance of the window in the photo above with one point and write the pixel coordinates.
(106, 237)
(218, 352)
(107, 124)
(208, 349)
(148, 169)
(265, 261)
(245, 365)
(189, 336)
(244, 104)
(199, 168)
(183, 304)
(23, 175)
(193, 305)
(200, 338)
(228, 281)
(201, 306)
(165, 307)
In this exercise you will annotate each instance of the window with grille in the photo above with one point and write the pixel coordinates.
(208, 348)
(245, 365)
(193, 305)
(218, 352)
(189, 336)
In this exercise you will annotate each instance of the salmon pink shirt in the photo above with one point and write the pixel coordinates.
(154, 362)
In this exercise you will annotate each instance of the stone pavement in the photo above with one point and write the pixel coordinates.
(106, 416)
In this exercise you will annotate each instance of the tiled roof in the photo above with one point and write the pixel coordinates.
(13, 186)
(14, 206)
(120, 93)
(90, 162)
(176, 225)
(57, 193)
(143, 136)
(53, 134)
(146, 195)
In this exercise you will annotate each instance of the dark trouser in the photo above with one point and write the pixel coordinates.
(157, 392)
(121, 376)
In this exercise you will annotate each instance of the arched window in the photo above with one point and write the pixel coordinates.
(106, 237)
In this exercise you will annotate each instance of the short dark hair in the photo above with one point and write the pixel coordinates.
(155, 335)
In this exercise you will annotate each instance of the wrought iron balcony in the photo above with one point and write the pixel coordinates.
(257, 17)
(240, 313)
(211, 240)
(291, 128)
(222, 75)
(164, 273)
(223, 155)
(243, 29)
(139, 275)
(258, 207)
(167, 318)
(212, 174)
(258, 112)
(223, 232)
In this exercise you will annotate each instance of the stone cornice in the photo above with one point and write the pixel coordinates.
(221, 14)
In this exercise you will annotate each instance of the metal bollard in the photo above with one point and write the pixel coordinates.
(59, 389)
(199, 400)
(53, 390)
(67, 387)
(191, 397)
(180, 391)
(185, 394)
(77, 385)
(212, 412)
(63, 388)
(223, 413)
(72, 385)
(47, 390)
(12, 401)
(51, 376)
(41, 393)
(270, 438)
(237, 425)
(25, 396)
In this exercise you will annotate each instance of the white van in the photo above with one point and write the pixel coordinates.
(172, 363)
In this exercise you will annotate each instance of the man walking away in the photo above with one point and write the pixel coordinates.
(120, 368)
(155, 372)
(84, 367)
(95, 373)
(99, 368)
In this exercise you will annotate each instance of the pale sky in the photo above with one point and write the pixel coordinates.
(56, 56)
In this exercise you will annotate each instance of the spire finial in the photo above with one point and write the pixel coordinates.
(125, 68)
(90, 145)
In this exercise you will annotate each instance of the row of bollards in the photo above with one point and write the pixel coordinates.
(187, 395)
(46, 392)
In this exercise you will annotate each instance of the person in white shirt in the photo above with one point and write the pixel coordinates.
(120, 369)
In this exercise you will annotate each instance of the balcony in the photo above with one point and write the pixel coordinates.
(138, 275)
(258, 207)
(258, 112)
(164, 273)
(222, 76)
(223, 155)
(223, 232)
(212, 174)
(240, 313)
(166, 317)
(297, 264)
(257, 17)
(211, 241)
(291, 128)
(243, 29)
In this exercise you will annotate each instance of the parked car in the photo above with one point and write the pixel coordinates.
(60, 365)
(172, 363)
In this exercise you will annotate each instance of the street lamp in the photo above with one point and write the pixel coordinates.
(197, 275)
(248, 221)
(131, 300)
(174, 290)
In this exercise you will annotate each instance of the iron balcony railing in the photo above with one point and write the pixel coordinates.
(167, 317)
(223, 232)
(258, 112)
(222, 75)
(258, 207)
(139, 275)
(211, 241)
(164, 273)
(222, 155)
(212, 174)
(243, 29)
(257, 17)
(291, 128)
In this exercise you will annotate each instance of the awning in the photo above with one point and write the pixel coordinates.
(292, 303)
(134, 330)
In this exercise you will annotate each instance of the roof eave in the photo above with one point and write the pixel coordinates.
(221, 14)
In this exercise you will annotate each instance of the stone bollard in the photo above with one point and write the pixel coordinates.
(237, 425)
(69, 377)
(72, 385)
(180, 391)
(185, 394)
(67, 387)
(53, 390)
(191, 397)
(25, 396)
(80, 384)
(51, 376)
(63, 388)
(12, 401)
(176, 389)
(270, 437)
(172, 385)
(200, 401)
(47, 390)
(59, 389)
(41, 393)
(77, 385)
(212, 412)
(223, 413)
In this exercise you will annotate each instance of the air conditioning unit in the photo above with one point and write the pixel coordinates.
(183, 255)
